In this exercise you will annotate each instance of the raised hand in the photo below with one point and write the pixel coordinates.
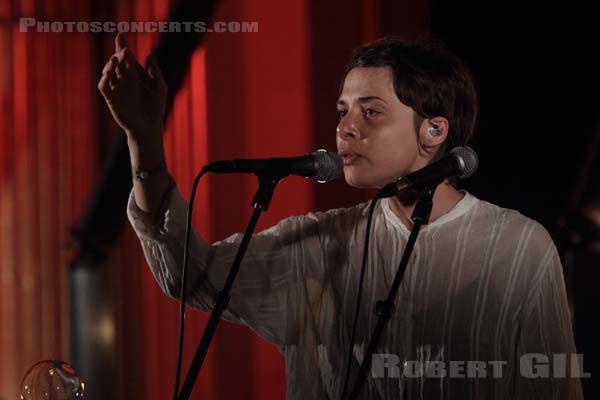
(136, 96)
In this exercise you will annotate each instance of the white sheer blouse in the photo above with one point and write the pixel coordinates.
(484, 288)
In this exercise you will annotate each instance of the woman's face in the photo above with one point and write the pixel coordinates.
(376, 135)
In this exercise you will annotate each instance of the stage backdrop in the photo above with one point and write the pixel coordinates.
(49, 157)
(262, 94)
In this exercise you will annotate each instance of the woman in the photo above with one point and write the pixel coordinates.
(483, 291)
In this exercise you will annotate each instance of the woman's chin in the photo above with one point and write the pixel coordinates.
(362, 182)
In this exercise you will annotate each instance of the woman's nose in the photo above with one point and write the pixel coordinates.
(347, 129)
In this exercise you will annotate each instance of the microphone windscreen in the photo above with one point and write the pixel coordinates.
(328, 166)
(469, 158)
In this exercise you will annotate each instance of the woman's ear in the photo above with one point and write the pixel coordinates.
(433, 132)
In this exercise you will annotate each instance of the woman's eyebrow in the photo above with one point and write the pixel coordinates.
(363, 99)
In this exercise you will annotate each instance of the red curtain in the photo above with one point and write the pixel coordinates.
(257, 94)
(48, 163)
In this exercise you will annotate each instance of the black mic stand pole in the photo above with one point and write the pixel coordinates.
(384, 308)
(261, 201)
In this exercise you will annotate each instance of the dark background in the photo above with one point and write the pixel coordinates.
(537, 72)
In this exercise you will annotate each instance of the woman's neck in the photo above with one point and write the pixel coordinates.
(445, 199)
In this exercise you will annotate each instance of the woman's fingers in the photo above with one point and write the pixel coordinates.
(108, 81)
(113, 80)
(121, 69)
(127, 55)
(153, 68)
(120, 42)
(156, 80)
(110, 65)
(108, 84)
(103, 87)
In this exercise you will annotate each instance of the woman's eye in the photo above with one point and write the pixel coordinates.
(341, 113)
(371, 112)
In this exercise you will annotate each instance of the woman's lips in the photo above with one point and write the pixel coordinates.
(350, 158)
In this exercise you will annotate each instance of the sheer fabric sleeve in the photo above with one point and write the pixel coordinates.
(546, 342)
(267, 295)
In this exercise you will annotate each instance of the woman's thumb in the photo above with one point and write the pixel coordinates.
(152, 67)
(156, 80)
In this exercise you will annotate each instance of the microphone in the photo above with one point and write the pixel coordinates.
(462, 162)
(321, 165)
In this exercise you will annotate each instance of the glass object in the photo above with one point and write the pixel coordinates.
(51, 380)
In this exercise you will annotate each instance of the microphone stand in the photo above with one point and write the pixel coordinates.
(384, 308)
(261, 201)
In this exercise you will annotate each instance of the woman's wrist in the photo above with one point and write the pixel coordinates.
(146, 155)
(144, 174)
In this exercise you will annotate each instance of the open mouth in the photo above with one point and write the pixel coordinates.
(349, 157)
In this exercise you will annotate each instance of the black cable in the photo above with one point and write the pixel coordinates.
(360, 286)
(188, 229)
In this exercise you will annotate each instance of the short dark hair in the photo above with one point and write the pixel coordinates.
(430, 79)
